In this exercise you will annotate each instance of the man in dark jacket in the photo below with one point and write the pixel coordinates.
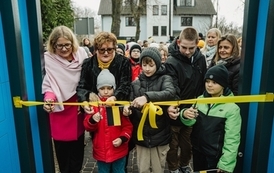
(187, 66)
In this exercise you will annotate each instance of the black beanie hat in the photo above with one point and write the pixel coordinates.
(219, 74)
(121, 46)
(135, 46)
(154, 54)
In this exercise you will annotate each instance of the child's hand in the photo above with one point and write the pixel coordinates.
(93, 97)
(139, 102)
(173, 112)
(117, 142)
(190, 113)
(48, 107)
(87, 108)
(97, 117)
(127, 111)
(110, 99)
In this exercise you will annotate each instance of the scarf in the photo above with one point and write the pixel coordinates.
(104, 65)
(62, 76)
(210, 51)
(223, 61)
(209, 54)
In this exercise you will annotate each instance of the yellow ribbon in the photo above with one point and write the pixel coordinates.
(153, 109)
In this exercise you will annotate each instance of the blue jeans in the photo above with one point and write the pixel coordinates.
(118, 166)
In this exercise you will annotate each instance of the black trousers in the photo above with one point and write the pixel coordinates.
(203, 162)
(70, 155)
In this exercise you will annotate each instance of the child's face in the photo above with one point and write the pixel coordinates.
(149, 68)
(106, 91)
(135, 53)
(213, 88)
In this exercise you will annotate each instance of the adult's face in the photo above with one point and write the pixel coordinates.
(212, 39)
(225, 49)
(187, 47)
(63, 48)
(106, 52)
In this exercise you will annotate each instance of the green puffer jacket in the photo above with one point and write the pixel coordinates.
(216, 131)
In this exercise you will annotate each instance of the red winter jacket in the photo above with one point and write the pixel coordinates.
(135, 69)
(103, 149)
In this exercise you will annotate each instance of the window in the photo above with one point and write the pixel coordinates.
(128, 2)
(163, 30)
(186, 3)
(155, 9)
(155, 31)
(164, 9)
(186, 21)
(130, 21)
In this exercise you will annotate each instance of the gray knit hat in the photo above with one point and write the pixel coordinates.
(154, 54)
(105, 78)
(219, 74)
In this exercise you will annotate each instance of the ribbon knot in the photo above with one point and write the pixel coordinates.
(151, 110)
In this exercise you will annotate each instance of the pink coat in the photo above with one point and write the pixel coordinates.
(59, 85)
(66, 125)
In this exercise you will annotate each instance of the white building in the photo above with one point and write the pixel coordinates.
(162, 18)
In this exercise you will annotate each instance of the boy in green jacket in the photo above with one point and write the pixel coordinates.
(216, 127)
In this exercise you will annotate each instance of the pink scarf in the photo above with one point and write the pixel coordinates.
(62, 76)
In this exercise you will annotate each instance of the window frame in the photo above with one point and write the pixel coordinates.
(165, 34)
(186, 22)
(155, 10)
(162, 11)
(131, 22)
(153, 33)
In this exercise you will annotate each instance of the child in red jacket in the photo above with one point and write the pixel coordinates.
(109, 142)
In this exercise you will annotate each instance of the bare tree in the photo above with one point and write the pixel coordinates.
(231, 28)
(137, 9)
(116, 16)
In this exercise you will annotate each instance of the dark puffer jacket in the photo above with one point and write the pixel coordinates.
(188, 76)
(119, 67)
(158, 87)
(233, 67)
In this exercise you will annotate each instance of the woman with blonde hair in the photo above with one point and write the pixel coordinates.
(213, 35)
(164, 52)
(63, 64)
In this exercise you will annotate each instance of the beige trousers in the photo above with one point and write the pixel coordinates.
(151, 159)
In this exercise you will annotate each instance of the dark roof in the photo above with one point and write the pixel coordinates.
(201, 7)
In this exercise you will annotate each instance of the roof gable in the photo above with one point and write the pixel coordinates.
(201, 7)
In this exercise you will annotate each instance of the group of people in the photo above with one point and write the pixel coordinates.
(210, 133)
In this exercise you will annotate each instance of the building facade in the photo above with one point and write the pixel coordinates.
(161, 18)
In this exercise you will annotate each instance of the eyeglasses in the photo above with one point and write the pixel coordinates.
(60, 46)
(103, 50)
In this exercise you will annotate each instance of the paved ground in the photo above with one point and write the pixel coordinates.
(90, 166)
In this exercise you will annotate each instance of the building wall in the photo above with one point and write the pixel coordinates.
(200, 23)
(173, 23)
